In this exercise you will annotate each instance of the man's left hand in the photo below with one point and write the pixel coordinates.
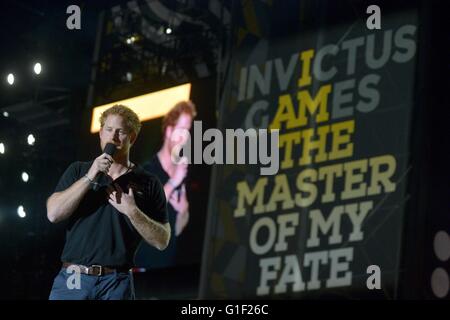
(123, 202)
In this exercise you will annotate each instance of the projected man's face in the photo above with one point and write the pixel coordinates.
(115, 131)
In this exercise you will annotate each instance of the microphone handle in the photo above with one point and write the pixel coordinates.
(180, 186)
(109, 149)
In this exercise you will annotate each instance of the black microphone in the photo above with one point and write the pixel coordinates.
(110, 149)
(178, 189)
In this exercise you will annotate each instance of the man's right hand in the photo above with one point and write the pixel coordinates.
(100, 164)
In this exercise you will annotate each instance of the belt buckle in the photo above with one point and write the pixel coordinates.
(100, 268)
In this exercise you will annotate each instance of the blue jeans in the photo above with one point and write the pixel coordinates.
(113, 286)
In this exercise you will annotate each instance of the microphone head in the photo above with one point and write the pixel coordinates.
(110, 149)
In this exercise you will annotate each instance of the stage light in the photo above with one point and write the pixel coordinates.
(131, 40)
(10, 79)
(25, 177)
(31, 140)
(37, 68)
(2, 148)
(169, 30)
(21, 212)
(129, 76)
(5, 114)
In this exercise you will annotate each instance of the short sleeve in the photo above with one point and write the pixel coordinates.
(158, 206)
(69, 177)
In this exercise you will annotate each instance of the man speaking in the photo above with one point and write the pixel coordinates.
(109, 205)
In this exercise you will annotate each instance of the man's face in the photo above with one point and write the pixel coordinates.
(114, 131)
(177, 134)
